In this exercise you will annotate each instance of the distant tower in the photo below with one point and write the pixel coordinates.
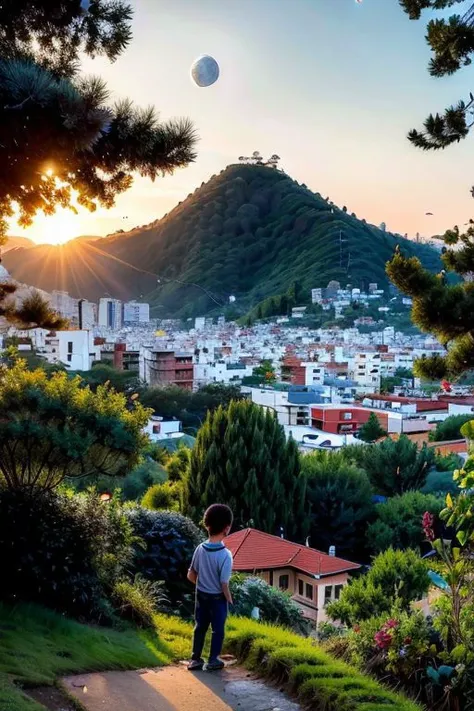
(383, 227)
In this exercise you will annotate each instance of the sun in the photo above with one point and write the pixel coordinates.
(59, 228)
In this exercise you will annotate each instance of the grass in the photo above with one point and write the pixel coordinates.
(37, 646)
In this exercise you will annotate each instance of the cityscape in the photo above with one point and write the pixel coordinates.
(236, 355)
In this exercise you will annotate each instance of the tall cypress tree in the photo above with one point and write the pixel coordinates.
(241, 458)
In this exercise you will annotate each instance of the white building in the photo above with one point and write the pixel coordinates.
(159, 429)
(136, 312)
(73, 349)
(366, 370)
(110, 313)
(221, 372)
(200, 323)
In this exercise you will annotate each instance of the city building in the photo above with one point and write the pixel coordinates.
(313, 579)
(64, 304)
(125, 359)
(87, 314)
(136, 312)
(73, 349)
(162, 367)
(159, 429)
(110, 313)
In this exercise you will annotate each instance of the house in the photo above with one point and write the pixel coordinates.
(312, 578)
(159, 429)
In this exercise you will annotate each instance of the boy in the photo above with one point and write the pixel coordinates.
(210, 571)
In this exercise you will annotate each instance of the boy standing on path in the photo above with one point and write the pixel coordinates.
(210, 571)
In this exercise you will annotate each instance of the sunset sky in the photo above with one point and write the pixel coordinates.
(332, 86)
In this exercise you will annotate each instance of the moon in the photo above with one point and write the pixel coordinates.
(205, 71)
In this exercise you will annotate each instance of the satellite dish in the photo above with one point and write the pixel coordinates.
(205, 71)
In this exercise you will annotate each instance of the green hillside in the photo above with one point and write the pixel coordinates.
(250, 232)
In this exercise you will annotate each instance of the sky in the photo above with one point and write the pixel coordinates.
(331, 86)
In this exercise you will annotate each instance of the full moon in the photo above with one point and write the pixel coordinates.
(205, 71)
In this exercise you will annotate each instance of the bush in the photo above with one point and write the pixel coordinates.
(448, 462)
(165, 496)
(63, 550)
(398, 523)
(274, 605)
(140, 479)
(394, 575)
(48, 552)
(138, 600)
(449, 429)
(169, 542)
(440, 484)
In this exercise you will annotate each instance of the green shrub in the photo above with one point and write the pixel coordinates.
(163, 497)
(398, 523)
(169, 541)
(138, 600)
(274, 605)
(394, 575)
(440, 484)
(449, 429)
(140, 479)
(448, 462)
(47, 552)
(62, 550)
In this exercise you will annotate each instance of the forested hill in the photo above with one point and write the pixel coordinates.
(250, 232)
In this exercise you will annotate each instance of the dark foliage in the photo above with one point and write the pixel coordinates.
(170, 540)
(61, 551)
(450, 428)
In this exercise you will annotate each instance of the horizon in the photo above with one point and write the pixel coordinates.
(337, 118)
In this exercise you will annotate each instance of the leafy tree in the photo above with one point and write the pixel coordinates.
(53, 429)
(398, 521)
(263, 374)
(241, 458)
(440, 308)
(393, 467)
(371, 430)
(339, 496)
(123, 381)
(449, 429)
(177, 465)
(190, 408)
(61, 139)
(394, 575)
(166, 496)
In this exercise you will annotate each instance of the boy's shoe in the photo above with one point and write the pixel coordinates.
(215, 665)
(196, 665)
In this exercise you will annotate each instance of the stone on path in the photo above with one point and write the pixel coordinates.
(177, 689)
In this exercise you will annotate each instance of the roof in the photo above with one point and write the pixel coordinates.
(255, 550)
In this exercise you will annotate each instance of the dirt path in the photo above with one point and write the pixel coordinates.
(176, 689)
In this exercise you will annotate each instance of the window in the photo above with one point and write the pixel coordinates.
(300, 587)
(69, 346)
(69, 357)
(309, 591)
(347, 415)
(327, 594)
(284, 582)
(337, 591)
(156, 429)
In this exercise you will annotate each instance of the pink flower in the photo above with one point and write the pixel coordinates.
(391, 624)
(428, 526)
(383, 639)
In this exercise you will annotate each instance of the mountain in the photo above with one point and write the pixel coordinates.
(14, 242)
(249, 232)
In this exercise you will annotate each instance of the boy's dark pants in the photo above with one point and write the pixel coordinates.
(210, 610)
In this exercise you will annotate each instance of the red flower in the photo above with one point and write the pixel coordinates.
(391, 624)
(428, 526)
(383, 639)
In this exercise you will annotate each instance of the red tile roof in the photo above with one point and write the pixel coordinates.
(255, 550)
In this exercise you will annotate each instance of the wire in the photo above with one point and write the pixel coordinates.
(158, 276)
